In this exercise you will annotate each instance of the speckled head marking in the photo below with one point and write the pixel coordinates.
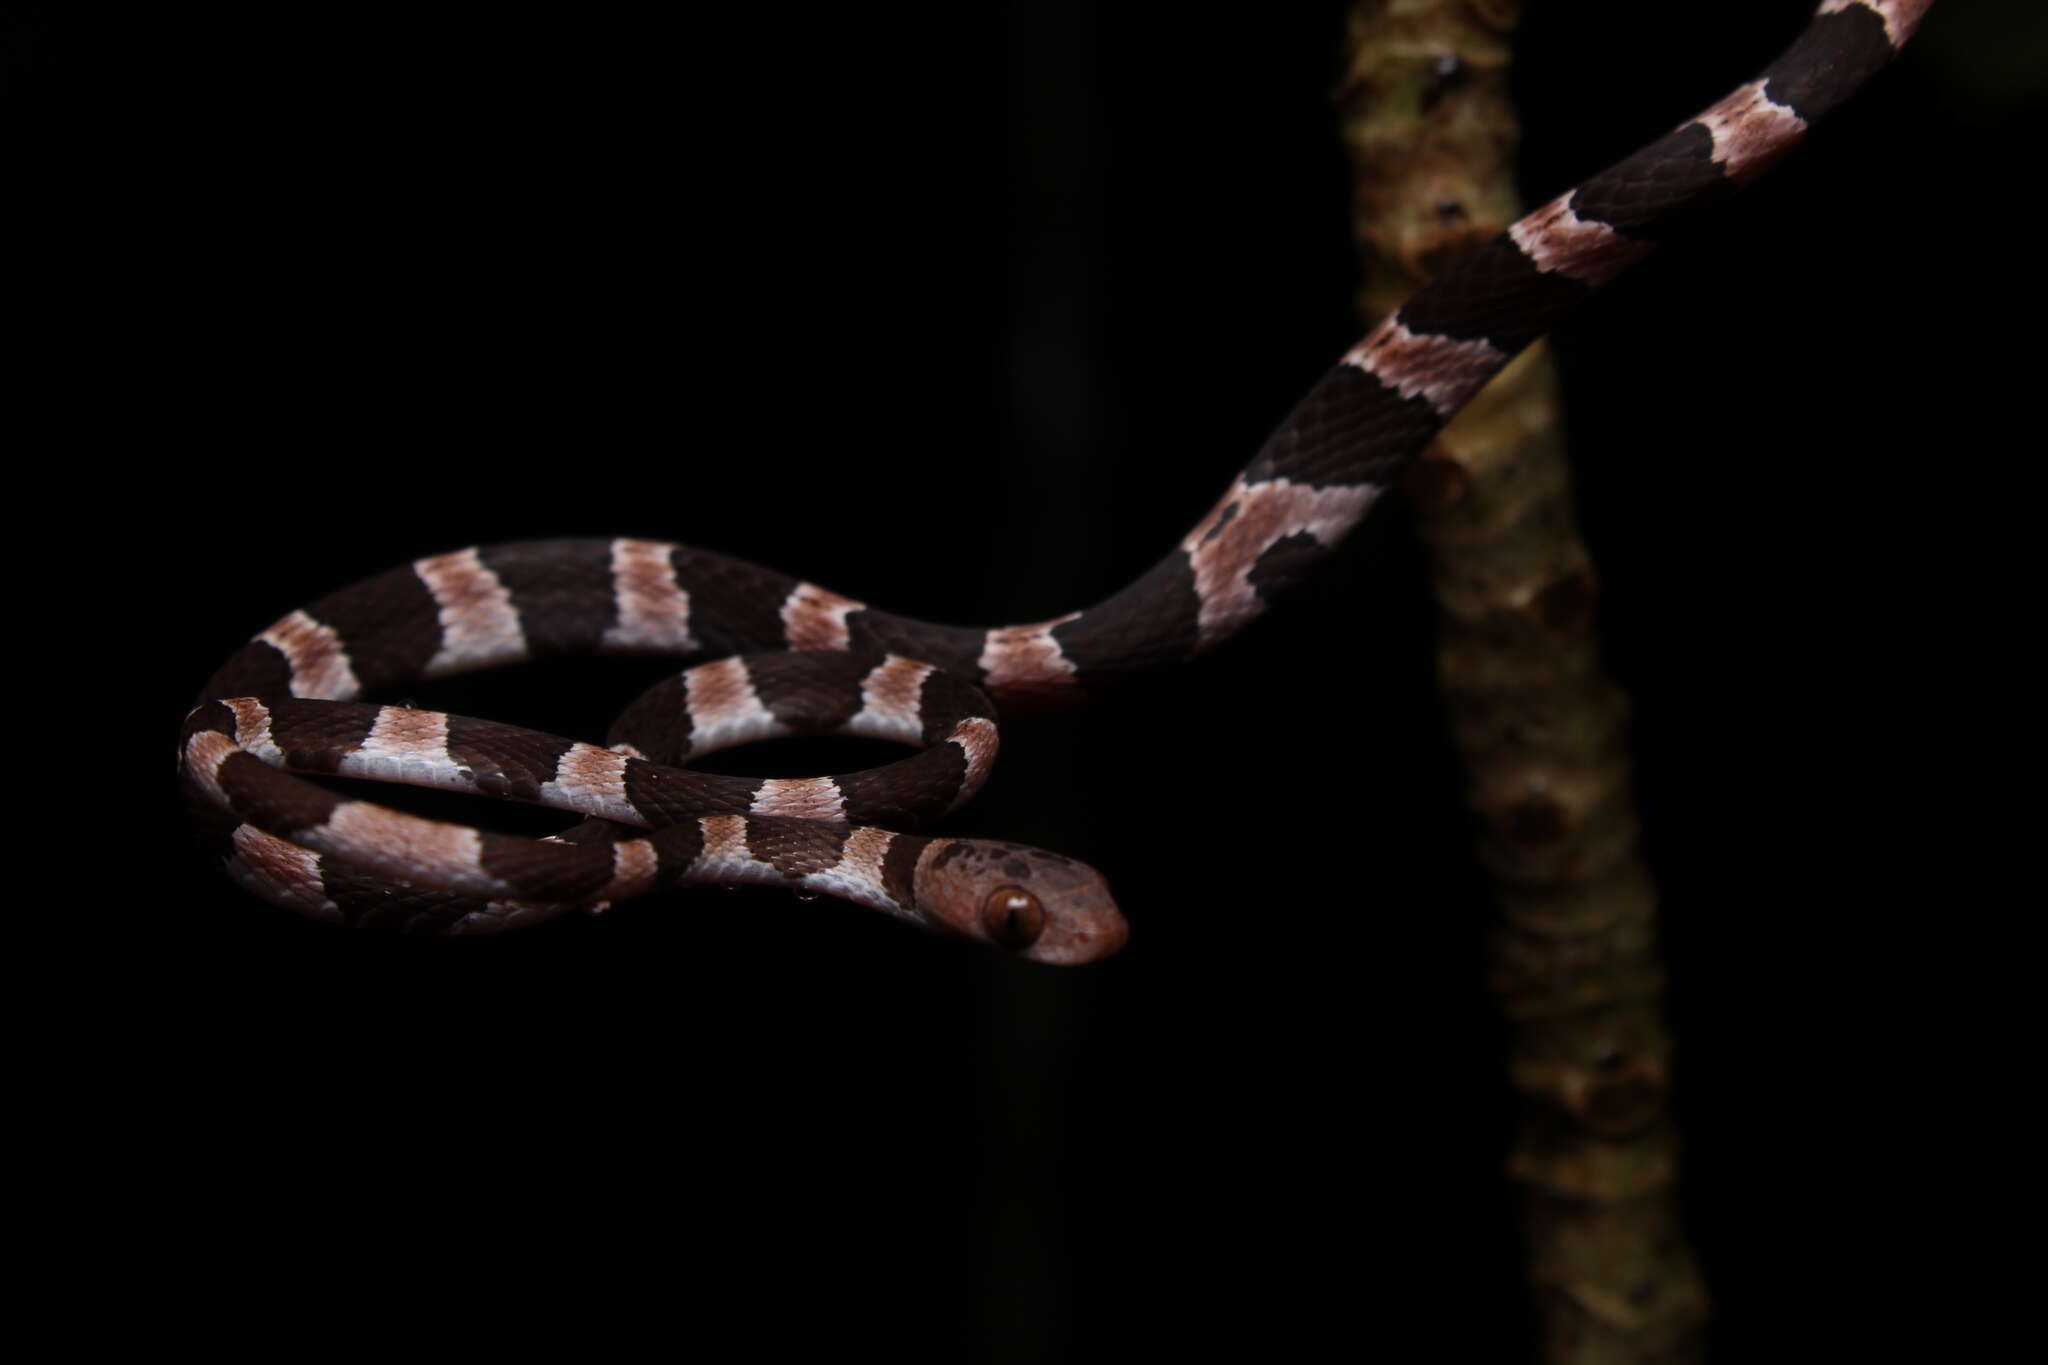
(1038, 905)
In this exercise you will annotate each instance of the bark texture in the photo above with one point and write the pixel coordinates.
(1541, 727)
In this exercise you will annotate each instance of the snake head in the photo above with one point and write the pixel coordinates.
(1038, 905)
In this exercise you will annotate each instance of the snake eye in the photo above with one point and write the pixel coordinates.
(1013, 917)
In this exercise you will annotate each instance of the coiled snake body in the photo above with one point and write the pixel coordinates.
(790, 657)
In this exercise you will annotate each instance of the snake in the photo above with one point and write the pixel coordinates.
(764, 655)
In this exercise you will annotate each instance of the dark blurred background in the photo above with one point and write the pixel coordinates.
(968, 312)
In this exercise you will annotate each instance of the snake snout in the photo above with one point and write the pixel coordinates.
(1093, 935)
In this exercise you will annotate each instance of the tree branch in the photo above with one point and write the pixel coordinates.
(1541, 727)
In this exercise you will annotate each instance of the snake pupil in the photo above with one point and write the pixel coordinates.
(1013, 917)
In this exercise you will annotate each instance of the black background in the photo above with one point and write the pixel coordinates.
(968, 315)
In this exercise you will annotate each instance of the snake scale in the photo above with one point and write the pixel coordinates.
(777, 656)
